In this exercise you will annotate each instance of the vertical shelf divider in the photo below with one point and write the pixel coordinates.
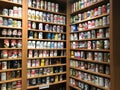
(24, 44)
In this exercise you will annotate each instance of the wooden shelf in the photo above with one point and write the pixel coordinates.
(90, 19)
(91, 29)
(89, 7)
(90, 83)
(9, 2)
(8, 81)
(97, 50)
(46, 31)
(75, 87)
(10, 38)
(48, 57)
(37, 86)
(47, 49)
(9, 27)
(90, 39)
(7, 70)
(11, 17)
(54, 65)
(95, 73)
(10, 48)
(46, 22)
(51, 74)
(10, 59)
(58, 13)
(92, 61)
(47, 40)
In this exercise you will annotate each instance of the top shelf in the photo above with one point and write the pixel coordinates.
(101, 2)
(47, 11)
(8, 3)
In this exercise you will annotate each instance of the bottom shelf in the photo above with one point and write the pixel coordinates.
(43, 85)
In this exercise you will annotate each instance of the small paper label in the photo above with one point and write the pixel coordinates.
(43, 87)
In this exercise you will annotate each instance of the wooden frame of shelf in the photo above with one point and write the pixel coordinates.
(7, 70)
(9, 27)
(7, 81)
(18, 18)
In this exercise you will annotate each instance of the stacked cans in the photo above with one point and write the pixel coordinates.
(41, 4)
(46, 17)
(43, 44)
(11, 54)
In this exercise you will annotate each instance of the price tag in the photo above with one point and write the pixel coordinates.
(43, 87)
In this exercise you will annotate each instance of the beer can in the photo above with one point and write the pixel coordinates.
(19, 24)
(33, 64)
(108, 20)
(48, 17)
(29, 63)
(9, 86)
(32, 73)
(108, 7)
(101, 81)
(3, 86)
(107, 70)
(49, 6)
(30, 54)
(44, 17)
(9, 33)
(107, 33)
(4, 65)
(37, 15)
(15, 11)
(19, 85)
(15, 1)
(45, 5)
(5, 22)
(14, 85)
(51, 18)
(95, 56)
(3, 76)
(28, 73)
(19, 1)
(56, 7)
(104, 21)
(52, 7)
(100, 56)
(5, 12)
(106, 44)
(107, 83)
(19, 12)
(1, 21)
(99, 10)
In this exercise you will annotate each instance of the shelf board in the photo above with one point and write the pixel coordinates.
(7, 70)
(89, 7)
(89, 83)
(43, 10)
(47, 40)
(10, 48)
(75, 87)
(47, 49)
(10, 59)
(90, 39)
(90, 19)
(54, 65)
(9, 3)
(97, 50)
(9, 27)
(46, 31)
(99, 27)
(92, 61)
(10, 38)
(47, 22)
(11, 17)
(53, 74)
(37, 86)
(95, 73)
(47, 57)
(12, 80)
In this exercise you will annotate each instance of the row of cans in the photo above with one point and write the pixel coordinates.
(10, 22)
(46, 17)
(12, 43)
(11, 54)
(44, 5)
(98, 68)
(81, 4)
(11, 33)
(101, 10)
(45, 53)
(100, 44)
(45, 80)
(44, 62)
(10, 75)
(44, 45)
(16, 85)
(9, 64)
(43, 71)
(16, 1)
(41, 35)
(84, 86)
(97, 56)
(103, 21)
(100, 33)
(15, 12)
(94, 79)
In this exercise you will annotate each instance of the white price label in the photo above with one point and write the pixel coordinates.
(44, 86)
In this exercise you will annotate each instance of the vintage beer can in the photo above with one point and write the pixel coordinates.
(5, 12)
(100, 56)
(1, 21)
(56, 7)
(49, 6)
(3, 86)
(104, 21)
(5, 22)
(10, 12)
(108, 7)
(99, 10)
(19, 12)
(101, 81)
(107, 83)
(107, 70)
(3, 76)
(32, 73)
(106, 44)
(29, 63)
(4, 65)
(41, 16)
(15, 11)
